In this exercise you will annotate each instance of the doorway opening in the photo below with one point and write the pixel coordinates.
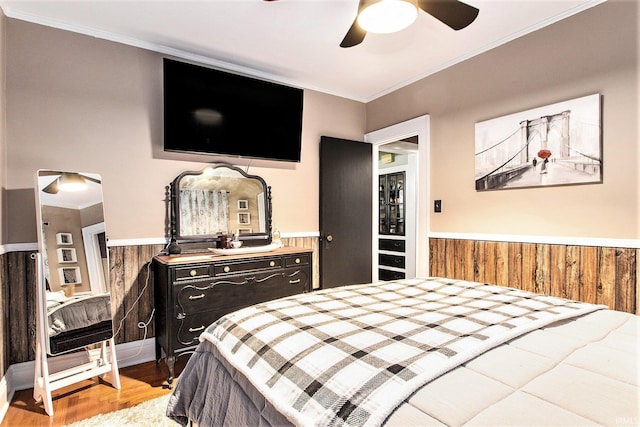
(400, 216)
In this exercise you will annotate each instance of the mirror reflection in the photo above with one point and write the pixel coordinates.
(221, 200)
(73, 245)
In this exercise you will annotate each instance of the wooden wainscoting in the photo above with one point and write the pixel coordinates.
(128, 278)
(132, 290)
(601, 275)
(132, 295)
(17, 278)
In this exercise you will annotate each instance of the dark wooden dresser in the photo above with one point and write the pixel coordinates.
(194, 290)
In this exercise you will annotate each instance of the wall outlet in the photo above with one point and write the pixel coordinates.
(437, 206)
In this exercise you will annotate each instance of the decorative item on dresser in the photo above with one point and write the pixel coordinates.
(193, 291)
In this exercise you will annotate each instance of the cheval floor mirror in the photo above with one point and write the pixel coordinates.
(73, 297)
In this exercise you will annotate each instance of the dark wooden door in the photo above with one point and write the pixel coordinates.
(345, 212)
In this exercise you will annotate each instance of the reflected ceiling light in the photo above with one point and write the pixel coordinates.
(71, 181)
(387, 16)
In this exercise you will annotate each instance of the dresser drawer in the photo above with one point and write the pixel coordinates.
(391, 245)
(390, 275)
(391, 260)
(300, 259)
(290, 282)
(247, 266)
(217, 294)
(193, 272)
(189, 328)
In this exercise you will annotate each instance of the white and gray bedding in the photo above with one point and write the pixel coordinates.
(361, 355)
(77, 312)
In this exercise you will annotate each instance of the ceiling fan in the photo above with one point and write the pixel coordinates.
(453, 13)
(66, 181)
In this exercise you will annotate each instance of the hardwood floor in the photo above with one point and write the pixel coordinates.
(85, 399)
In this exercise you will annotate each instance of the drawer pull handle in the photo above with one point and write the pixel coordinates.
(192, 297)
(272, 264)
(201, 328)
(227, 269)
(193, 272)
(293, 282)
(297, 260)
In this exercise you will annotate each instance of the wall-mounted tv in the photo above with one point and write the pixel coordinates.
(208, 111)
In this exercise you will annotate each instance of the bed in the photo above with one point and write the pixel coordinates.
(74, 322)
(417, 352)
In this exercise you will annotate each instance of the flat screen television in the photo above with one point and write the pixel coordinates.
(208, 111)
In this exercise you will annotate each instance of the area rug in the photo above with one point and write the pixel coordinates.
(147, 414)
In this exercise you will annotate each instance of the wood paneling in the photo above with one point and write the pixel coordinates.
(132, 284)
(18, 290)
(599, 275)
(132, 295)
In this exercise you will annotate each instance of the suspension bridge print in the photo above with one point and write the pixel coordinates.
(558, 144)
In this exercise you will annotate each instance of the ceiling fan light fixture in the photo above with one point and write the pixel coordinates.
(71, 182)
(387, 16)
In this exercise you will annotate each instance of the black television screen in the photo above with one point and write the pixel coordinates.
(208, 111)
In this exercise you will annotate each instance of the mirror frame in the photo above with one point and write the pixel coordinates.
(250, 239)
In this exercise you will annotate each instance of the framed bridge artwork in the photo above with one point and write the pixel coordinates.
(559, 144)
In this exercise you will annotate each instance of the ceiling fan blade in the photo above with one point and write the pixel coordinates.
(51, 173)
(51, 188)
(453, 13)
(354, 36)
(88, 178)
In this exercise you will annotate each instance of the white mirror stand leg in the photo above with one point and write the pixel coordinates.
(45, 382)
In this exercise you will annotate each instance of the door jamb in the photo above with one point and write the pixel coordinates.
(415, 127)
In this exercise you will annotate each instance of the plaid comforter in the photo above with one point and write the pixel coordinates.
(348, 356)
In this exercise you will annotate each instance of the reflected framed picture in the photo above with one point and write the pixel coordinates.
(69, 275)
(64, 239)
(245, 230)
(67, 255)
(244, 218)
(243, 205)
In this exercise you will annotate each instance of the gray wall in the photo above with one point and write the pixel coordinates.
(595, 51)
(84, 104)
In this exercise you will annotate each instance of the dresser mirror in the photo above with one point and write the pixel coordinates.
(220, 200)
(75, 260)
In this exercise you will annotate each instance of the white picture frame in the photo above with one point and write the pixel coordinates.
(557, 144)
(243, 205)
(64, 238)
(67, 255)
(69, 275)
(244, 218)
(244, 230)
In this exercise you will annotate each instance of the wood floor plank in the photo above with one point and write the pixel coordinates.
(85, 399)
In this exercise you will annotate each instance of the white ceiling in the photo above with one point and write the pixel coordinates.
(296, 42)
(71, 200)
